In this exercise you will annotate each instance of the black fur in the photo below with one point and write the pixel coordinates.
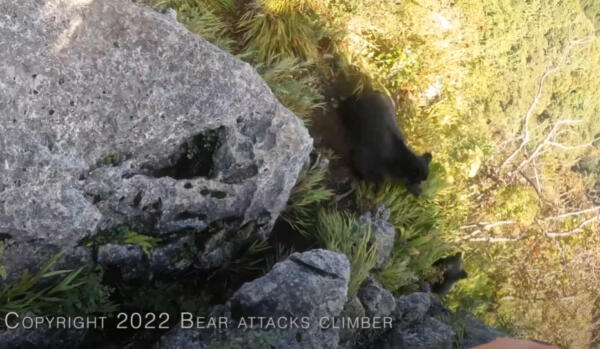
(377, 149)
(453, 272)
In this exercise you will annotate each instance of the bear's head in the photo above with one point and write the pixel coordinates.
(412, 172)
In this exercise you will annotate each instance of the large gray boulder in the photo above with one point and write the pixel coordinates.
(415, 328)
(312, 284)
(113, 114)
(292, 306)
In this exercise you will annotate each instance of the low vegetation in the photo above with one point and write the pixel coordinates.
(57, 292)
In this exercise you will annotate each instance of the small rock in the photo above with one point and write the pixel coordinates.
(382, 231)
(376, 300)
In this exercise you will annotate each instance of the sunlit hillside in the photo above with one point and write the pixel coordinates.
(505, 96)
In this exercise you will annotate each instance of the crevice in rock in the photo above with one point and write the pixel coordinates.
(314, 269)
(190, 215)
(5, 237)
(194, 158)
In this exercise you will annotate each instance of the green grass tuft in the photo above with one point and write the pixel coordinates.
(340, 232)
(309, 191)
(293, 84)
(286, 33)
(418, 241)
(123, 235)
(57, 292)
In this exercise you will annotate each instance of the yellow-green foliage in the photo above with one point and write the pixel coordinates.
(278, 37)
(418, 242)
(289, 34)
(339, 232)
(518, 203)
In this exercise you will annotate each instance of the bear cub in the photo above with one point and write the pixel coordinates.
(452, 272)
(377, 149)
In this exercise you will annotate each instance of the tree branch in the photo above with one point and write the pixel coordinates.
(570, 214)
(577, 229)
(526, 134)
(499, 239)
(526, 137)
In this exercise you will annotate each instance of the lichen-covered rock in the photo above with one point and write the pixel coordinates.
(382, 232)
(113, 114)
(422, 321)
(19, 256)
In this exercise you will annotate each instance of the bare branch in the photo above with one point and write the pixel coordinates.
(537, 179)
(570, 214)
(487, 225)
(546, 141)
(536, 187)
(577, 229)
(573, 147)
(526, 137)
(526, 134)
(499, 239)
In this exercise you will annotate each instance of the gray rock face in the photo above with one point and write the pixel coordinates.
(429, 334)
(127, 258)
(475, 332)
(415, 328)
(310, 287)
(376, 300)
(412, 309)
(312, 284)
(382, 231)
(113, 114)
(349, 336)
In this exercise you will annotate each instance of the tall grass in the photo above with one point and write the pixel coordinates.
(280, 29)
(418, 242)
(308, 193)
(340, 232)
(294, 85)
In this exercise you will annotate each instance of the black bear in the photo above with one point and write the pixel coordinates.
(452, 272)
(377, 149)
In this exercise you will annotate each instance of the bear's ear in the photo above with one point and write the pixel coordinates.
(427, 157)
